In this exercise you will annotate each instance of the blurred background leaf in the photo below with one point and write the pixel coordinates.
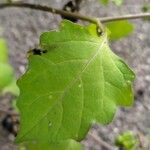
(126, 141)
(116, 2)
(7, 76)
(119, 29)
(12, 88)
(3, 51)
(105, 2)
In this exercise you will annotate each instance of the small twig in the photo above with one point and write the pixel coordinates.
(74, 15)
(51, 10)
(8, 112)
(101, 142)
(124, 17)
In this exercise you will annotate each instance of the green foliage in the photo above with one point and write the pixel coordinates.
(119, 29)
(77, 82)
(7, 79)
(6, 73)
(127, 141)
(105, 2)
(117, 2)
(12, 87)
(3, 51)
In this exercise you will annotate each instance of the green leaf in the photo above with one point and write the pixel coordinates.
(66, 145)
(127, 140)
(117, 2)
(3, 51)
(6, 75)
(11, 87)
(105, 2)
(77, 82)
(119, 29)
(7, 79)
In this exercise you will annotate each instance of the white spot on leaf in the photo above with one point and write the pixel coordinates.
(79, 85)
(50, 96)
(50, 124)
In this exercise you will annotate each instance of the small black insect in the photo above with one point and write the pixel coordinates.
(36, 51)
(71, 6)
(10, 123)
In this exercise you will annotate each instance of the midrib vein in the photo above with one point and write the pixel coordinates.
(78, 76)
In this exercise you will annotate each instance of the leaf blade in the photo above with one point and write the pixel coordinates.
(58, 84)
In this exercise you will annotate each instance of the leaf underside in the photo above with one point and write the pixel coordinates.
(78, 82)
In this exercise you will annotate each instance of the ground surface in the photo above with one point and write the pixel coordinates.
(22, 29)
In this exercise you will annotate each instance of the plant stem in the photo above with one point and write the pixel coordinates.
(124, 17)
(51, 10)
(54, 11)
(74, 15)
